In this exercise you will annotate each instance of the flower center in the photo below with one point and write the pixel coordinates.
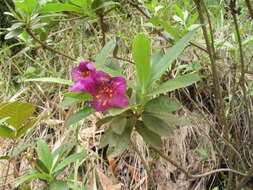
(105, 95)
(84, 74)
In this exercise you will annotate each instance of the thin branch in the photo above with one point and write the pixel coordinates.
(190, 176)
(242, 66)
(44, 45)
(217, 92)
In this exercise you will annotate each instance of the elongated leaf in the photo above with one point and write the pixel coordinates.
(39, 166)
(122, 140)
(6, 132)
(25, 178)
(58, 185)
(78, 95)
(18, 112)
(44, 154)
(170, 30)
(4, 119)
(157, 125)
(165, 63)
(104, 120)
(162, 104)
(21, 131)
(80, 3)
(80, 115)
(105, 52)
(141, 55)
(72, 158)
(118, 125)
(53, 80)
(116, 111)
(109, 137)
(59, 7)
(171, 119)
(26, 6)
(148, 136)
(176, 83)
(106, 4)
(69, 101)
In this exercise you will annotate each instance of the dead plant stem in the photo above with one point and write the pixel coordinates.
(248, 3)
(44, 45)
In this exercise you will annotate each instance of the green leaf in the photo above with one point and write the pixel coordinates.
(44, 154)
(29, 125)
(5, 157)
(165, 63)
(69, 101)
(162, 104)
(176, 83)
(78, 95)
(116, 111)
(122, 141)
(80, 115)
(67, 161)
(74, 98)
(157, 125)
(80, 3)
(148, 136)
(58, 185)
(109, 137)
(17, 150)
(170, 119)
(118, 125)
(18, 112)
(100, 62)
(102, 121)
(25, 178)
(59, 7)
(141, 55)
(4, 119)
(170, 30)
(6, 132)
(53, 80)
(105, 52)
(106, 4)
(12, 34)
(26, 6)
(40, 166)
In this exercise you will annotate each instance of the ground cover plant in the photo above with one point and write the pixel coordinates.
(130, 94)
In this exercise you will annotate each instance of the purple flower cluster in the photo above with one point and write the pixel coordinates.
(107, 91)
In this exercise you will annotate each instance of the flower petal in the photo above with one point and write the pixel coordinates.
(77, 87)
(98, 105)
(101, 78)
(119, 101)
(83, 67)
(119, 85)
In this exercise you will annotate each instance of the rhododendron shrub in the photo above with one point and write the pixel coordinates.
(126, 104)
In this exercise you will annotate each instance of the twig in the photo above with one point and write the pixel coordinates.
(48, 47)
(217, 92)
(190, 176)
(123, 59)
(242, 68)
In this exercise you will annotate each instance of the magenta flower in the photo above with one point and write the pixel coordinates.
(106, 91)
(83, 70)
